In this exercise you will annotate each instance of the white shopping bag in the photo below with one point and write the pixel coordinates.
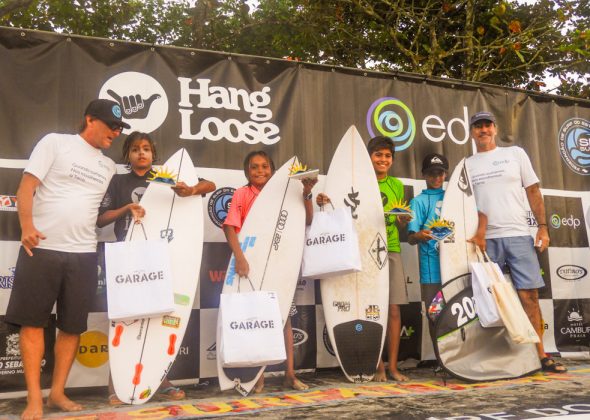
(481, 282)
(513, 316)
(331, 245)
(251, 329)
(139, 279)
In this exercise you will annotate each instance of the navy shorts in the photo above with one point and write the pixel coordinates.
(49, 277)
(518, 253)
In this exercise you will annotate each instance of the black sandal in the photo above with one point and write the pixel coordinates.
(550, 365)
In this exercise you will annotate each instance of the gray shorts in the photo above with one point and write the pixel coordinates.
(398, 292)
(518, 253)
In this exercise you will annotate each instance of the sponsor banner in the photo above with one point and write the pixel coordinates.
(305, 292)
(545, 292)
(304, 334)
(91, 366)
(566, 221)
(11, 366)
(412, 271)
(214, 264)
(325, 355)
(411, 333)
(546, 306)
(426, 345)
(186, 364)
(208, 346)
(8, 255)
(572, 324)
(570, 276)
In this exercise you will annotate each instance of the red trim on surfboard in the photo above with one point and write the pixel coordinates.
(171, 344)
(117, 337)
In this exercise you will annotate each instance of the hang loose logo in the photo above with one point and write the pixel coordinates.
(134, 106)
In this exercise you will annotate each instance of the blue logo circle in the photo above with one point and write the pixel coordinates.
(218, 205)
(358, 327)
(574, 145)
(116, 111)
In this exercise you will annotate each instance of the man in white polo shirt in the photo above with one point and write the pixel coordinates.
(503, 178)
(58, 198)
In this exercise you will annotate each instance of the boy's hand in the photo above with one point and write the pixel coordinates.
(136, 211)
(403, 219)
(424, 235)
(322, 199)
(182, 189)
(242, 266)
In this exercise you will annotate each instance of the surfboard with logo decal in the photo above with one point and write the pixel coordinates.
(460, 209)
(142, 351)
(356, 304)
(272, 239)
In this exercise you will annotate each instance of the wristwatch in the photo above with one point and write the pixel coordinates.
(308, 197)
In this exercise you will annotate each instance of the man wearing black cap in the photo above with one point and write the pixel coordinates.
(58, 199)
(498, 176)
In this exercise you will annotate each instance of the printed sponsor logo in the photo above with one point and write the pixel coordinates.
(390, 117)
(13, 345)
(327, 342)
(167, 234)
(530, 219)
(576, 329)
(212, 352)
(252, 324)
(373, 313)
(142, 100)
(8, 203)
(573, 140)
(571, 272)
(145, 393)
(378, 251)
(182, 300)
(557, 221)
(139, 276)
(301, 283)
(281, 223)
(358, 327)
(299, 336)
(218, 205)
(353, 202)
(407, 332)
(258, 128)
(170, 321)
(342, 306)
(325, 238)
(248, 242)
(500, 162)
(6, 282)
(93, 350)
(463, 182)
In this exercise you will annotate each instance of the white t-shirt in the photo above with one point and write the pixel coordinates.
(74, 178)
(498, 178)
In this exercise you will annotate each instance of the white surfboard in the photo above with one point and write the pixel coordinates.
(460, 209)
(272, 239)
(141, 352)
(356, 305)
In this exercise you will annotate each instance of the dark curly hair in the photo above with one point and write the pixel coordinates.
(381, 142)
(249, 157)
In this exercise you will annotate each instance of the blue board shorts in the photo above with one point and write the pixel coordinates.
(518, 253)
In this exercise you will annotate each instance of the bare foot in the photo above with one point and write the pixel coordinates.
(63, 403)
(397, 376)
(34, 409)
(380, 377)
(259, 385)
(295, 383)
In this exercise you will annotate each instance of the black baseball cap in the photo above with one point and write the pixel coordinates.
(482, 116)
(434, 161)
(107, 111)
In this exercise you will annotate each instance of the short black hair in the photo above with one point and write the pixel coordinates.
(249, 157)
(381, 142)
(132, 138)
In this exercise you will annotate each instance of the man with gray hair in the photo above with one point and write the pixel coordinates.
(498, 176)
(58, 198)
